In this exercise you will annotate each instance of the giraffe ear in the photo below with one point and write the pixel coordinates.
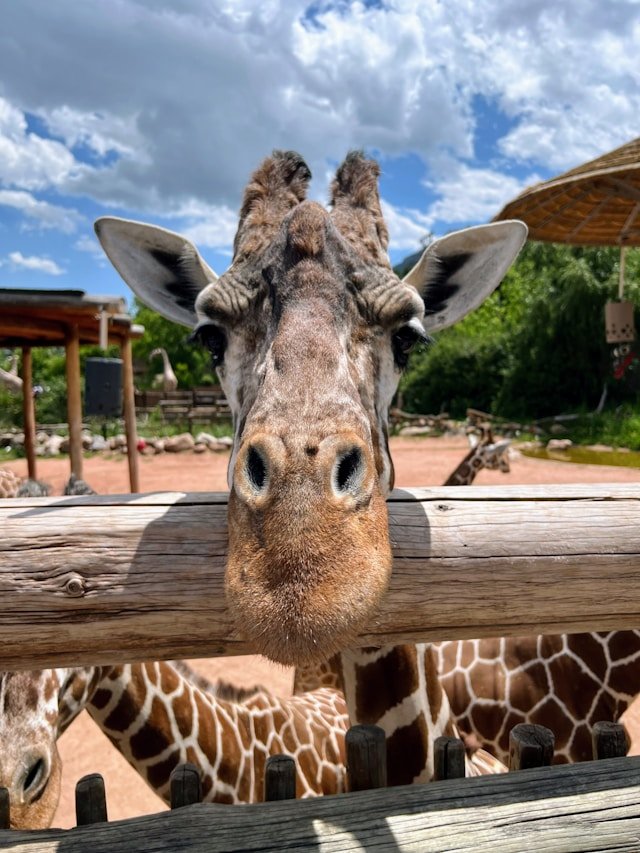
(162, 268)
(456, 273)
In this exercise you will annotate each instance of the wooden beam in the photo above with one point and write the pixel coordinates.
(123, 578)
(129, 405)
(576, 807)
(74, 400)
(28, 412)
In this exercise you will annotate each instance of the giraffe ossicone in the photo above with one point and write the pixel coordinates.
(309, 330)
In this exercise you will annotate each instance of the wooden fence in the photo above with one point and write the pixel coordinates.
(140, 577)
(106, 579)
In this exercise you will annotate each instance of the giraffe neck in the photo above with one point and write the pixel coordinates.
(398, 689)
(157, 718)
(467, 470)
(567, 682)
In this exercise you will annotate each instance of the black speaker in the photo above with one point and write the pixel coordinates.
(103, 387)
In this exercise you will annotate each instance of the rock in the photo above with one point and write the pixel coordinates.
(87, 440)
(205, 438)
(99, 443)
(557, 429)
(148, 450)
(52, 445)
(416, 430)
(6, 439)
(41, 437)
(227, 440)
(179, 443)
(199, 448)
(117, 442)
(64, 444)
(559, 444)
(600, 448)
(158, 445)
(18, 440)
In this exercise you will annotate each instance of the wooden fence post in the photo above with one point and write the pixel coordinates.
(530, 746)
(91, 802)
(5, 809)
(366, 758)
(186, 786)
(280, 778)
(448, 758)
(609, 740)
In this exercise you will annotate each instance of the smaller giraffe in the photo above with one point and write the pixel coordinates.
(158, 715)
(167, 379)
(484, 453)
(9, 378)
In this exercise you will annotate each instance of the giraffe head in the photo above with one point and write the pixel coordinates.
(309, 330)
(35, 707)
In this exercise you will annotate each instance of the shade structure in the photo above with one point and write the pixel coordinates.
(596, 204)
(69, 318)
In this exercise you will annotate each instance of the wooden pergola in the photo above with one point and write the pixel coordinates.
(69, 318)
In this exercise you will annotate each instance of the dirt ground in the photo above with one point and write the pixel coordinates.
(419, 462)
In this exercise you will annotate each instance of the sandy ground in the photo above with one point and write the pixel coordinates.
(419, 462)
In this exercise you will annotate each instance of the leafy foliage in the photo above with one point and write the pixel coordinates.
(536, 347)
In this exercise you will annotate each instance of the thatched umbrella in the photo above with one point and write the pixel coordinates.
(596, 204)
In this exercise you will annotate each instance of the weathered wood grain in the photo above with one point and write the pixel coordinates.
(134, 577)
(589, 807)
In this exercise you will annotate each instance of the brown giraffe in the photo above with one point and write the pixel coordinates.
(484, 453)
(566, 682)
(159, 715)
(397, 687)
(309, 330)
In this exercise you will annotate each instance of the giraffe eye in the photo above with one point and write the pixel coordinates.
(213, 338)
(405, 339)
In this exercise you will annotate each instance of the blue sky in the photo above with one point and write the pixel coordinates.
(159, 111)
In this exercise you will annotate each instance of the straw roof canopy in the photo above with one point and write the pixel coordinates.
(596, 204)
(34, 318)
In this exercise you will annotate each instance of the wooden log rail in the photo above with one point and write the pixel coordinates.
(135, 577)
(578, 807)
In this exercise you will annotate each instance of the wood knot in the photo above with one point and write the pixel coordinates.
(75, 586)
(444, 507)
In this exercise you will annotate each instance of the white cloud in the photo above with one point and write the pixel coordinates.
(209, 225)
(43, 214)
(45, 265)
(179, 101)
(101, 133)
(88, 243)
(26, 159)
(466, 194)
(407, 228)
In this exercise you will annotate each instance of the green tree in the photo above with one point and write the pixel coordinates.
(536, 347)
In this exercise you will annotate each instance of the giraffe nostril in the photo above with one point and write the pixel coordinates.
(34, 777)
(256, 469)
(349, 471)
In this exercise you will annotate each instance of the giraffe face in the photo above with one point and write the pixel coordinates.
(35, 708)
(309, 330)
(30, 766)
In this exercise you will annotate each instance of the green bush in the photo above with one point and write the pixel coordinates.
(536, 347)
